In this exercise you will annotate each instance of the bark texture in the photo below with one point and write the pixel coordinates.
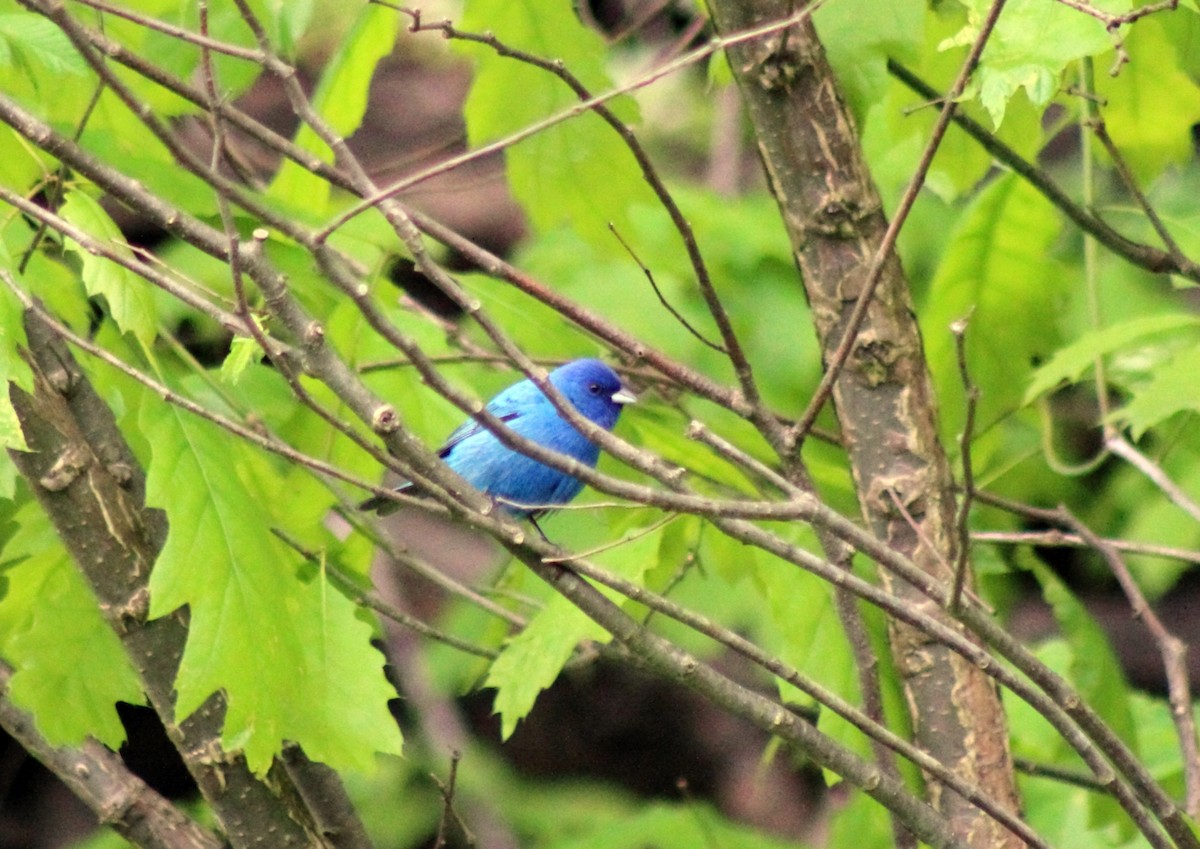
(84, 475)
(884, 397)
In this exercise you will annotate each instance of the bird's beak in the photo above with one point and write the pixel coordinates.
(624, 396)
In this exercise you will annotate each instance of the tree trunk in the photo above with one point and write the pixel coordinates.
(883, 397)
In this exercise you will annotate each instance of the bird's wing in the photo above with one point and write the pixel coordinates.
(470, 428)
(514, 402)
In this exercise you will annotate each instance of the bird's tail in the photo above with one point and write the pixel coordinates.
(384, 506)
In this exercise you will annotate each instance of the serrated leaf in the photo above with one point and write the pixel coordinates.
(292, 656)
(1020, 55)
(576, 173)
(69, 667)
(1172, 389)
(532, 659)
(1071, 361)
(341, 99)
(129, 299)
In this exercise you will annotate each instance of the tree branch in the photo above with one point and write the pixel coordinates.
(99, 778)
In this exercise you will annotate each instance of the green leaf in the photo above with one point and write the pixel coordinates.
(859, 43)
(341, 99)
(291, 19)
(1159, 739)
(577, 172)
(129, 298)
(1071, 361)
(1172, 389)
(243, 352)
(1094, 669)
(13, 369)
(1019, 55)
(1137, 510)
(863, 824)
(1096, 674)
(996, 271)
(814, 642)
(258, 631)
(532, 659)
(69, 666)
(1151, 105)
(27, 39)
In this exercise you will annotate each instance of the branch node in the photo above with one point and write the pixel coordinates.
(69, 465)
(384, 420)
(121, 472)
(61, 380)
(314, 335)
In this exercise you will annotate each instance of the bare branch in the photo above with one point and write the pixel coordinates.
(1174, 657)
(1144, 256)
(100, 779)
(1124, 449)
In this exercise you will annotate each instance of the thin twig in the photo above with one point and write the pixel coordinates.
(1057, 773)
(1141, 255)
(355, 593)
(702, 433)
(448, 813)
(962, 521)
(662, 299)
(181, 33)
(609, 546)
(1174, 657)
(1124, 449)
(1100, 129)
(1112, 21)
(1055, 538)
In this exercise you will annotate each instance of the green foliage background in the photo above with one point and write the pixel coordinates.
(981, 241)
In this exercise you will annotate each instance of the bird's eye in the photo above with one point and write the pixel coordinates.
(594, 388)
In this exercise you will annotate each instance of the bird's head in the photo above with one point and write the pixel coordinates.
(594, 389)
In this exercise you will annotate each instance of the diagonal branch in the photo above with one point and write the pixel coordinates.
(99, 778)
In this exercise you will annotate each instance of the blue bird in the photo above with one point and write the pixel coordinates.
(523, 486)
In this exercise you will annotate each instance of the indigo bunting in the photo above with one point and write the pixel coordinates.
(523, 486)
